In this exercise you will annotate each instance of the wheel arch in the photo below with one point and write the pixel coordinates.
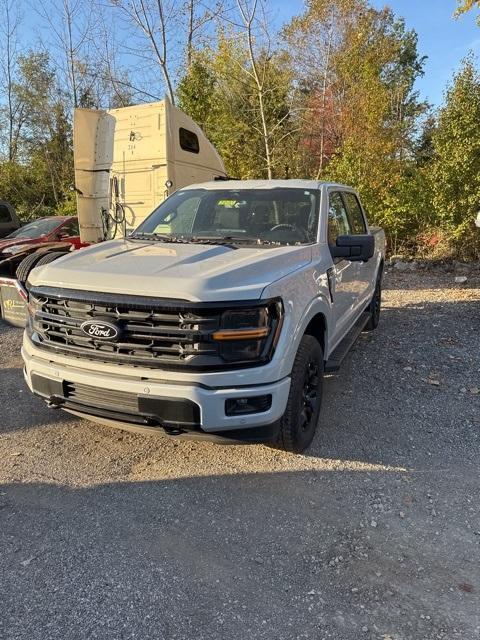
(317, 327)
(381, 267)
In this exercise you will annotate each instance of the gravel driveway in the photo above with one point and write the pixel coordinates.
(374, 533)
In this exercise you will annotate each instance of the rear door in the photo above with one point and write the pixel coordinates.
(8, 220)
(344, 274)
(365, 270)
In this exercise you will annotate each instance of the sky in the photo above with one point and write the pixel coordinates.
(444, 40)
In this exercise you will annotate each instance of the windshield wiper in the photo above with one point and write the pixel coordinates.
(231, 240)
(160, 237)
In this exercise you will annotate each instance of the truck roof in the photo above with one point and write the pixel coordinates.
(264, 184)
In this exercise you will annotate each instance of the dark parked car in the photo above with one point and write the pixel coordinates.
(51, 229)
(8, 219)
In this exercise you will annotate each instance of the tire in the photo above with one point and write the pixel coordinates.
(375, 305)
(299, 422)
(36, 260)
(26, 265)
(50, 257)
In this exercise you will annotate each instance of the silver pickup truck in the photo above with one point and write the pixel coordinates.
(216, 318)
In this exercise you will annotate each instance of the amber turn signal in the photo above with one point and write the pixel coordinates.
(241, 334)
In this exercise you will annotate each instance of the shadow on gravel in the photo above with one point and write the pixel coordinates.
(5, 327)
(266, 555)
(19, 408)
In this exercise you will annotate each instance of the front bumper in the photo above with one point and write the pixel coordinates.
(209, 419)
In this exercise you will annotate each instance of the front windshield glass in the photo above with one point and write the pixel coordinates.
(257, 216)
(36, 229)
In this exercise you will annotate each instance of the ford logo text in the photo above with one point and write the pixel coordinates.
(100, 330)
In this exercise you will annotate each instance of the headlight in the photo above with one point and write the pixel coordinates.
(34, 305)
(16, 248)
(249, 334)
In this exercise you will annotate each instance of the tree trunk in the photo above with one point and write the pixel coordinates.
(248, 22)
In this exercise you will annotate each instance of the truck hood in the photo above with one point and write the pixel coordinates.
(193, 272)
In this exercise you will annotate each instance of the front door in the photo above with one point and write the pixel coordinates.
(366, 270)
(344, 272)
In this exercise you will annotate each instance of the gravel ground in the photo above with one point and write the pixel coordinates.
(374, 533)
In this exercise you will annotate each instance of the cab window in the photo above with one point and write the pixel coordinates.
(338, 224)
(189, 141)
(355, 214)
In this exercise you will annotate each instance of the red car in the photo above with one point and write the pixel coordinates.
(51, 229)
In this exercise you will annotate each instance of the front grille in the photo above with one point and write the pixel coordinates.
(152, 332)
(85, 394)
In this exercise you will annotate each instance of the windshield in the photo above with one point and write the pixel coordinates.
(252, 216)
(36, 229)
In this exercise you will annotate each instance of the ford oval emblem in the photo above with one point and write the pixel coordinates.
(100, 330)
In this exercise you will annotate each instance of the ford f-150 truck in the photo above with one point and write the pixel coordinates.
(216, 318)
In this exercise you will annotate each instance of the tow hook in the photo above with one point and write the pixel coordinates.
(54, 402)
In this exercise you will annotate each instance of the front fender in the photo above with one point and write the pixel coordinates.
(305, 294)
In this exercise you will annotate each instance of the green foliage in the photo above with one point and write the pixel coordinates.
(38, 181)
(337, 101)
(455, 170)
(219, 93)
(372, 67)
(26, 187)
(466, 5)
(196, 92)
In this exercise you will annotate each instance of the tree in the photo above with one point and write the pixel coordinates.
(219, 92)
(360, 112)
(165, 34)
(314, 40)
(199, 14)
(46, 134)
(424, 150)
(455, 173)
(197, 92)
(71, 32)
(9, 24)
(216, 94)
(466, 5)
(152, 18)
(258, 68)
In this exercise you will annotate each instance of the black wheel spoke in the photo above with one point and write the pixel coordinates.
(310, 395)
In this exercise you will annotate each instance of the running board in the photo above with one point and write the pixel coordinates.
(341, 350)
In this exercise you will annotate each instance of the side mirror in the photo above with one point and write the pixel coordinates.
(355, 248)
